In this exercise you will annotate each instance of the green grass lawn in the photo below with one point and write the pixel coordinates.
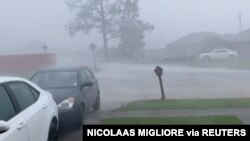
(197, 120)
(186, 104)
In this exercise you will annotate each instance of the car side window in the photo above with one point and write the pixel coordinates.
(89, 74)
(221, 51)
(23, 94)
(83, 76)
(7, 110)
(35, 92)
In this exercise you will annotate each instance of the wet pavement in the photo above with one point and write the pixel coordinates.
(123, 83)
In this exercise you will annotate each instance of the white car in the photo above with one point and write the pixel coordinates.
(27, 113)
(219, 54)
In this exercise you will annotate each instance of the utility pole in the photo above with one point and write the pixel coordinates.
(240, 21)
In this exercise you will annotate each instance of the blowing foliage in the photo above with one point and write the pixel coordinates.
(113, 19)
(132, 28)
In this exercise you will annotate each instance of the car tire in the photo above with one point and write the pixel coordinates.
(97, 104)
(53, 131)
(231, 57)
(81, 117)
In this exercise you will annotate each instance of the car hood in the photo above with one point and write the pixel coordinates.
(61, 94)
(204, 54)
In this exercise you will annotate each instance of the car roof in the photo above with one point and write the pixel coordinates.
(222, 49)
(63, 69)
(12, 79)
(9, 79)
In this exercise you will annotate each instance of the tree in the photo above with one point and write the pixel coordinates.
(95, 14)
(132, 29)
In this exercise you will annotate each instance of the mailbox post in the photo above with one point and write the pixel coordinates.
(93, 47)
(159, 72)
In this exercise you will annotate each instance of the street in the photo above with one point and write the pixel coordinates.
(122, 83)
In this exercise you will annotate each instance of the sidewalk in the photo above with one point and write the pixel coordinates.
(242, 113)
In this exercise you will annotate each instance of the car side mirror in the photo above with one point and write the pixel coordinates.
(4, 126)
(87, 84)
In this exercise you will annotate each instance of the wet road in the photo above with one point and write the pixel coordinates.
(92, 119)
(122, 83)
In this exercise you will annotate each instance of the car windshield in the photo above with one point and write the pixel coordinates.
(56, 79)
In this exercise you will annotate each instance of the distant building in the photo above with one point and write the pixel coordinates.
(241, 43)
(190, 44)
(26, 62)
(196, 43)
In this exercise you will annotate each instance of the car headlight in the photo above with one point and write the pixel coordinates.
(66, 104)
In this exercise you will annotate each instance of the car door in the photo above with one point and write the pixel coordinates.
(43, 103)
(17, 127)
(86, 91)
(224, 54)
(215, 54)
(30, 108)
(220, 54)
(94, 88)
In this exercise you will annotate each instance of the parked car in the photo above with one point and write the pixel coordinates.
(27, 113)
(219, 54)
(75, 91)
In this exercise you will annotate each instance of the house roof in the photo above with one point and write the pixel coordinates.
(242, 36)
(193, 38)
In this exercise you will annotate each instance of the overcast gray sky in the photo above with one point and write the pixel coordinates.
(44, 21)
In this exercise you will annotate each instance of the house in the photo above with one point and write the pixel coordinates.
(26, 58)
(191, 44)
(26, 62)
(196, 43)
(241, 43)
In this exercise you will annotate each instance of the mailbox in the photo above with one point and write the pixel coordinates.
(158, 71)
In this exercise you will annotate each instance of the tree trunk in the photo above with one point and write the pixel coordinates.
(104, 33)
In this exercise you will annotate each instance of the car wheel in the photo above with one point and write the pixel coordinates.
(53, 131)
(231, 57)
(82, 116)
(97, 104)
(206, 58)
